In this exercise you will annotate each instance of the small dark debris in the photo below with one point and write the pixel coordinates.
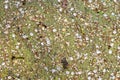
(13, 57)
(41, 36)
(109, 46)
(42, 24)
(23, 2)
(27, 38)
(98, 12)
(64, 63)
(18, 29)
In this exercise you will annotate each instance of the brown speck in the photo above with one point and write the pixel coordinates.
(109, 46)
(42, 24)
(64, 3)
(13, 57)
(41, 36)
(23, 2)
(64, 63)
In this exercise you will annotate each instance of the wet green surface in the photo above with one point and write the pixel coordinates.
(37, 34)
